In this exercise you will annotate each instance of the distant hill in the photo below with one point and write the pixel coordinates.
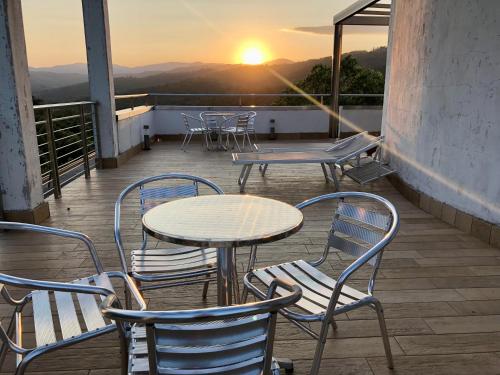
(189, 77)
(374, 59)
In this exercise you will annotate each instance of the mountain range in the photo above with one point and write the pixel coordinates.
(64, 83)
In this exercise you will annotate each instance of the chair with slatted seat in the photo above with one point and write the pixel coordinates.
(165, 267)
(242, 124)
(75, 304)
(355, 231)
(231, 340)
(194, 126)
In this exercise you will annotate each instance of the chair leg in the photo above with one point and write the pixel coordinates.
(124, 354)
(383, 331)
(128, 299)
(250, 267)
(237, 295)
(320, 347)
(184, 141)
(189, 139)
(249, 141)
(236, 143)
(205, 288)
(333, 323)
(23, 365)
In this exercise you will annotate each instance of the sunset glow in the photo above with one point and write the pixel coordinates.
(252, 53)
(252, 56)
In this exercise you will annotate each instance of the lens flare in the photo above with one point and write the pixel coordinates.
(449, 184)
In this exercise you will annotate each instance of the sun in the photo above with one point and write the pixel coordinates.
(252, 56)
(252, 53)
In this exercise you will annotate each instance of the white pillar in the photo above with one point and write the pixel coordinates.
(102, 90)
(20, 174)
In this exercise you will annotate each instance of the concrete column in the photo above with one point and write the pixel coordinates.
(20, 174)
(102, 90)
(336, 58)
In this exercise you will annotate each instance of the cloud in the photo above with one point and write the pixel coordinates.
(328, 30)
(318, 30)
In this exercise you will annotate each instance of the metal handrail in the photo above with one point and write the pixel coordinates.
(65, 143)
(60, 105)
(321, 96)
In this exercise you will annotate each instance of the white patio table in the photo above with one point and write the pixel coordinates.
(225, 222)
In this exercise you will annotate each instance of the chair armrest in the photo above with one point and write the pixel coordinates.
(54, 286)
(10, 300)
(131, 286)
(60, 233)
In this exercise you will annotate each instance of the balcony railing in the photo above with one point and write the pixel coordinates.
(65, 131)
(66, 143)
(240, 99)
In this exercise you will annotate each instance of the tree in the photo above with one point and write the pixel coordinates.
(354, 79)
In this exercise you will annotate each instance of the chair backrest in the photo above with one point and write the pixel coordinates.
(222, 340)
(209, 120)
(241, 121)
(155, 190)
(188, 120)
(357, 231)
(354, 146)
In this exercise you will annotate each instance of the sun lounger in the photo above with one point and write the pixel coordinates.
(335, 156)
(302, 146)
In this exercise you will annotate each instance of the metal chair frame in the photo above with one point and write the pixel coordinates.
(372, 256)
(103, 288)
(244, 126)
(211, 332)
(162, 279)
(190, 131)
(212, 125)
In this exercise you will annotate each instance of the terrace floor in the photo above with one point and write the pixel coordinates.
(440, 287)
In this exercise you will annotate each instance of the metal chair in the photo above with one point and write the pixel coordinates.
(355, 231)
(222, 340)
(74, 302)
(243, 126)
(165, 267)
(199, 129)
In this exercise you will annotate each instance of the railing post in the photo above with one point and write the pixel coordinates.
(156, 100)
(83, 134)
(334, 126)
(133, 101)
(54, 170)
(239, 101)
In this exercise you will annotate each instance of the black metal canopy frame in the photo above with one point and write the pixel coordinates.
(361, 13)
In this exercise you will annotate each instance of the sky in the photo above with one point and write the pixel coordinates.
(154, 31)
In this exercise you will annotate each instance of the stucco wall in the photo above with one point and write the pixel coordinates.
(130, 126)
(364, 117)
(168, 119)
(442, 114)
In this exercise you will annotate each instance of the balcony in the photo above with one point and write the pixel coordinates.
(439, 278)
(436, 282)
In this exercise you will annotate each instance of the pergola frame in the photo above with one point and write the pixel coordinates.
(361, 13)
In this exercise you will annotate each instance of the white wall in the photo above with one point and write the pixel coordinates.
(168, 119)
(364, 117)
(130, 126)
(442, 101)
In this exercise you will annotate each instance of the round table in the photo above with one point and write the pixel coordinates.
(218, 116)
(224, 222)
